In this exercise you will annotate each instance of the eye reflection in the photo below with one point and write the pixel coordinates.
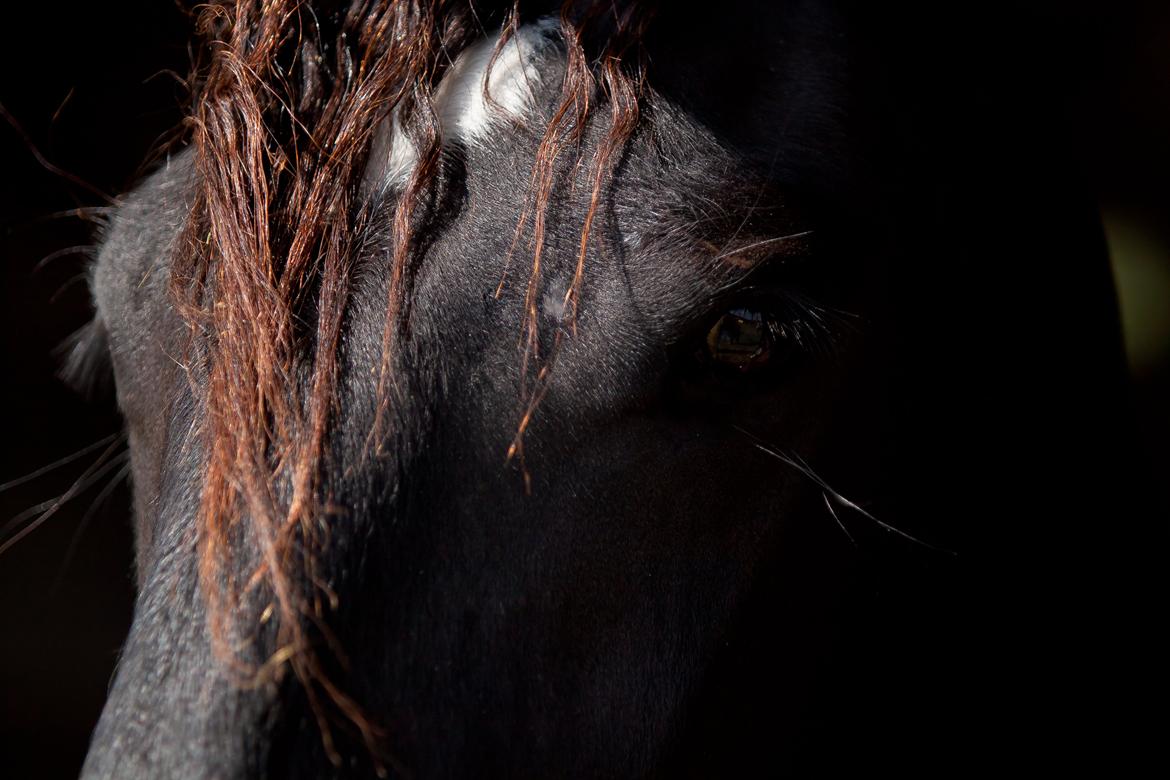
(743, 339)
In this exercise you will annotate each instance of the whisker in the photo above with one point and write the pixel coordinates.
(61, 107)
(833, 512)
(85, 250)
(43, 511)
(759, 197)
(762, 243)
(59, 463)
(67, 284)
(44, 162)
(798, 463)
(94, 214)
(83, 524)
(86, 480)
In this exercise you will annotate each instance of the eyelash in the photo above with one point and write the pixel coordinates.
(811, 326)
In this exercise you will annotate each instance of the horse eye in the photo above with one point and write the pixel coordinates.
(744, 339)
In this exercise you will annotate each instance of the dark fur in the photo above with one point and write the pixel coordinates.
(670, 599)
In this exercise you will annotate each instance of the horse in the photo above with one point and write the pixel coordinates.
(592, 389)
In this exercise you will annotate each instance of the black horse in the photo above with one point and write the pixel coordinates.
(799, 447)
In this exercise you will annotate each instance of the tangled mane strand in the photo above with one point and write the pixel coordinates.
(621, 83)
(284, 114)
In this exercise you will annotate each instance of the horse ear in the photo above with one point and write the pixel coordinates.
(85, 360)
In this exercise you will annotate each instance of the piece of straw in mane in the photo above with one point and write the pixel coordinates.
(284, 117)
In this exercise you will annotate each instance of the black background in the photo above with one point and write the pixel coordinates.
(94, 87)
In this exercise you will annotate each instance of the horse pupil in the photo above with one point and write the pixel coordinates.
(741, 339)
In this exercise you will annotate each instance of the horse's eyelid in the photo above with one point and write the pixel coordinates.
(811, 323)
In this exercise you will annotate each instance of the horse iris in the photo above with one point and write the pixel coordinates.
(743, 339)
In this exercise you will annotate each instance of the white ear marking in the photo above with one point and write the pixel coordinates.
(459, 100)
(464, 115)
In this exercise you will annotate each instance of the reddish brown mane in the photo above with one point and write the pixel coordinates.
(282, 122)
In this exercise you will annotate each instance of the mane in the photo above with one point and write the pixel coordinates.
(286, 106)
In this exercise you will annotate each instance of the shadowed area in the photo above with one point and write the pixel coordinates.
(62, 626)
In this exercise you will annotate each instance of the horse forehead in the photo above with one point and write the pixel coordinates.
(735, 98)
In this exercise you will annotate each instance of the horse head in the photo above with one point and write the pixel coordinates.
(575, 391)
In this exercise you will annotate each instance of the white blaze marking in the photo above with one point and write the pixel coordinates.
(464, 114)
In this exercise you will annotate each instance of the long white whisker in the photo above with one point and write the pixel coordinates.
(829, 493)
(833, 512)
